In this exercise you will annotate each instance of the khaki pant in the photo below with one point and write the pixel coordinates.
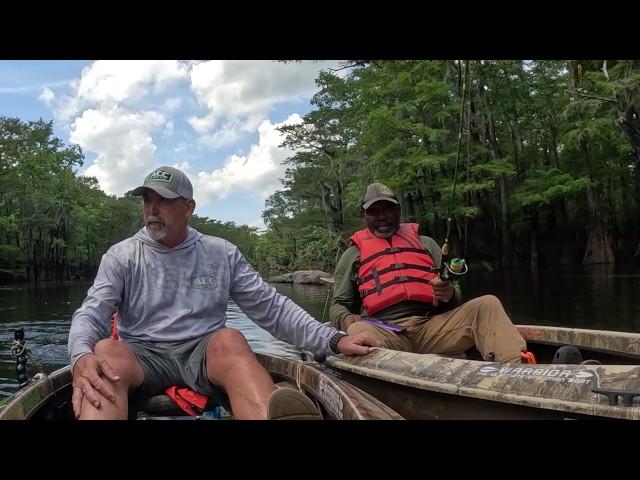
(481, 322)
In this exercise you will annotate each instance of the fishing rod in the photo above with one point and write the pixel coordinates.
(455, 267)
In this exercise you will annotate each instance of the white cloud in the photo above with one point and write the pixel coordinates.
(103, 116)
(115, 81)
(47, 96)
(202, 124)
(168, 128)
(182, 146)
(244, 91)
(34, 87)
(225, 135)
(108, 83)
(172, 104)
(109, 113)
(123, 144)
(258, 171)
(259, 224)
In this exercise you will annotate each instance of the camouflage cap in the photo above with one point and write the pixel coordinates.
(167, 182)
(377, 192)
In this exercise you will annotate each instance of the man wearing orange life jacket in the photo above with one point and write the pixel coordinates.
(389, 277)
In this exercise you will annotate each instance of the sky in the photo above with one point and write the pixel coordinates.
(216, 120)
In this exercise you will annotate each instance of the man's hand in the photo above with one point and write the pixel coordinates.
(357, 344)
(442, 291)
(88, 374)
(349, 320)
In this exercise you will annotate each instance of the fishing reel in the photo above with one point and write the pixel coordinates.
(456, 267)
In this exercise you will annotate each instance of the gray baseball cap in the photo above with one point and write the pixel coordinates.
(377, 192)
(167, 182)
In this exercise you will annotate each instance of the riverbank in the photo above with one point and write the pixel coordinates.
(304, 277)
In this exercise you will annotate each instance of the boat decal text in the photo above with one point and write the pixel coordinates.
(532, 373)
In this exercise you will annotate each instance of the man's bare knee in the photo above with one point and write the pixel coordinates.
(227, 341)
(108, 347)
(122, 360)
(230, 358)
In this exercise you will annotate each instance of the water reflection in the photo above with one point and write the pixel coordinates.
(259, 339)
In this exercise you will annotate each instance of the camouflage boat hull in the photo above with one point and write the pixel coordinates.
(439, 387)
(49, 396)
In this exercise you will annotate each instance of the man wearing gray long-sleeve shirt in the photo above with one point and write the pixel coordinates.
(171, 286)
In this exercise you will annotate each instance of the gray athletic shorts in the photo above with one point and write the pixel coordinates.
(166, 364)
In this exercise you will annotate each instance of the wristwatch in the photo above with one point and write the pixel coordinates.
(333, 343)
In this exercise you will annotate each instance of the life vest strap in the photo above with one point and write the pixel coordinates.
(397, 266)
(399, 279)
(389, 251)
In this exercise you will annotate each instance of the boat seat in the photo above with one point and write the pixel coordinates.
(571, 355)
(164, 405)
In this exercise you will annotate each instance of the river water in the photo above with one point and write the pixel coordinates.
(600, 297)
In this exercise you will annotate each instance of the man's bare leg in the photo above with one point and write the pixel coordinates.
(232, 365)
(122, 359)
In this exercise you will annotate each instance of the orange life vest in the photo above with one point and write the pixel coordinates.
(187, 399)
(395, 269)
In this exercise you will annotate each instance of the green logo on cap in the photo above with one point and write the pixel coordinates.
(385, 190)
(159, 176)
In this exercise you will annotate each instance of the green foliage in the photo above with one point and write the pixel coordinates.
(542, 187)
(495, 169)
(244, 237)
(550, 152)
(540, 139)
(11, 257)
(53, 222)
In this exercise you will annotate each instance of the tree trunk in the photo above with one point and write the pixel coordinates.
(566, 254)
(535, 255)
(408, 207)
(507, 250)
(553, 131)
(599, 248)
(517, 147)
(496, 153)
(340, 206)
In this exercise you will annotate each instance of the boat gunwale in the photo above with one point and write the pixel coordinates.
(416, 366)
(353, 403)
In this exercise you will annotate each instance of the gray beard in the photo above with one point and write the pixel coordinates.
(157, 234)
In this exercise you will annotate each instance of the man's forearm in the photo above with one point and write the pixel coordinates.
(337, 313)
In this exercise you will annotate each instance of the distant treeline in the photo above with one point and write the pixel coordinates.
(549, 170)
(54, 224)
